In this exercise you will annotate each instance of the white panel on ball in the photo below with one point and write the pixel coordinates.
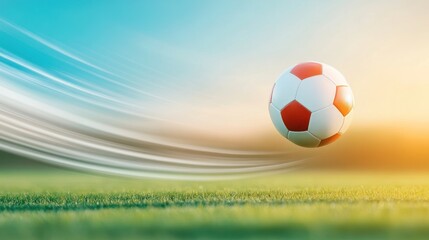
(278, 121)
(335, 76)
(347, 122)
(285, 89)
(326, 122)
(316, 93)
(304, 139)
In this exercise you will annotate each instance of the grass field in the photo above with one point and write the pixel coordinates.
(307, 205)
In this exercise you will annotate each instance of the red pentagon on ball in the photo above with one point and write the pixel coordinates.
(306, 70)
(295, 116)
(343, 100)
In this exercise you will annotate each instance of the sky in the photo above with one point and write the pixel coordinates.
(205, 69)
(216, 61)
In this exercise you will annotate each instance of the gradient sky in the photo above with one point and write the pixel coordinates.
(211, 64)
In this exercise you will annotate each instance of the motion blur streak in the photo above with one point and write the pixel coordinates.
(57, 107)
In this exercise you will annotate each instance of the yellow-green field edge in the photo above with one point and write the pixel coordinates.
(301, 205)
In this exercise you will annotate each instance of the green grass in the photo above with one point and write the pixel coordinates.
(310, 205)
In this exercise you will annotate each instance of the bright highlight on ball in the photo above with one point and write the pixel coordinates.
(311, 104)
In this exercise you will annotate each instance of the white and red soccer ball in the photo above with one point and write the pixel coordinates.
(311, 104)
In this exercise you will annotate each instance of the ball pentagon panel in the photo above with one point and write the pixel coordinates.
(329, 140)
(344, 99)
(307, 69)
(295, 116)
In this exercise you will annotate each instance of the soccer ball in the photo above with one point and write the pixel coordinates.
(311, 104)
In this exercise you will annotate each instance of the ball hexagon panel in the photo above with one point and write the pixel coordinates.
(304, 139)
(332, 74)
(316, 92)
(344, 99)
(284, 90)
(326, 122)
(278, 121)
(347, 122)
(295, 116)
(306, 70)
